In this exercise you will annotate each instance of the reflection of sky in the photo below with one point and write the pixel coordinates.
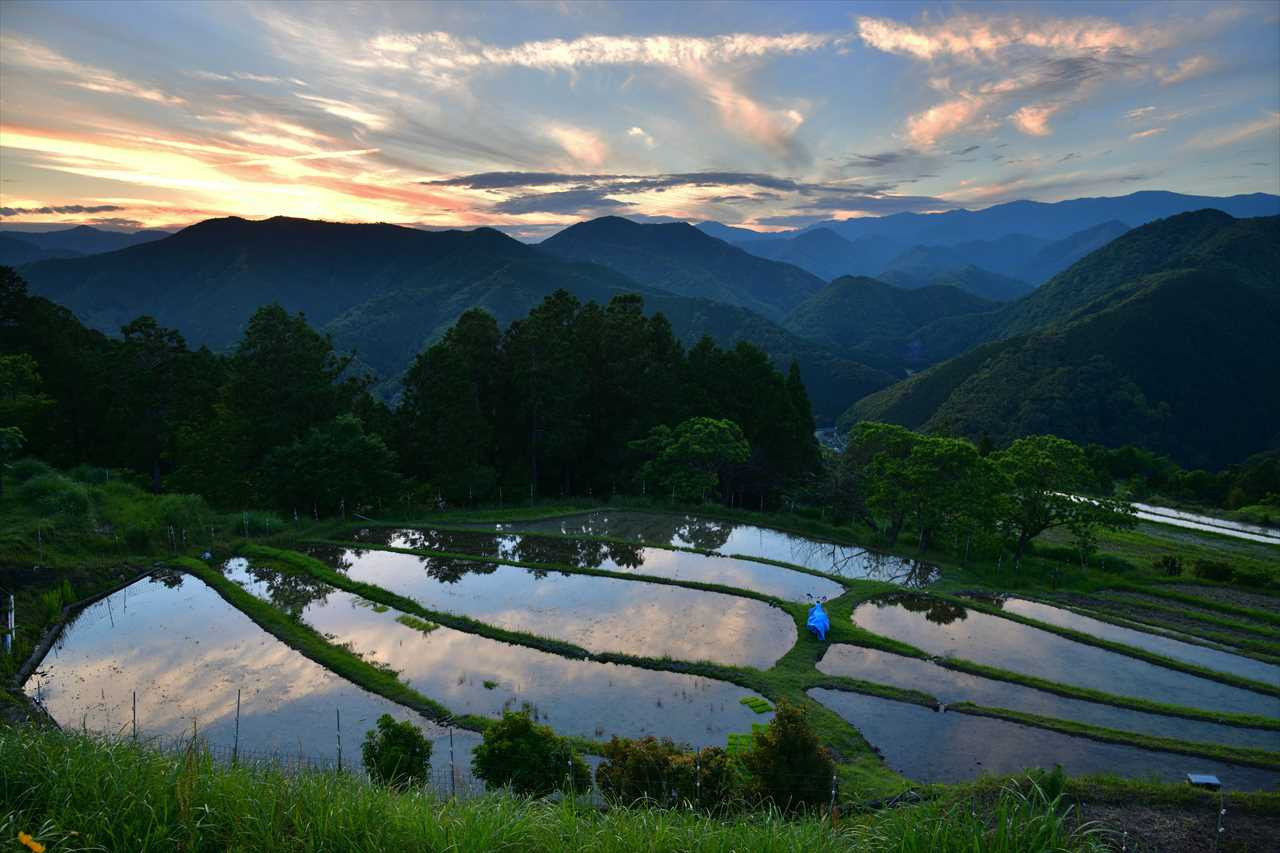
(599, 614)
(1188, 652)
(1192, 521)
(1010, 645)
(660, 562)
(729, 538)
(951, 747)
(951, 687)
(585, 698)
(186, 652)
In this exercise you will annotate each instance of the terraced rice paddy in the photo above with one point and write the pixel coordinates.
(728, 537)
(935, 746)
(950, 630)
(475, 675)
(611, 556)
(185, 652)
(597, 613)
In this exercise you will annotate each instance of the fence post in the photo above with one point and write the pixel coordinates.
(235, 744)
(135, 716)
(697, 778)
(338, 713)
(453, 773)
(832, 811)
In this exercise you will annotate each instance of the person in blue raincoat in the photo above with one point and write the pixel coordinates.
(818, 622)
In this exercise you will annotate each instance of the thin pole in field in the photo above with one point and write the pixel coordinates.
(338, 712)
(453, 774)
(235, 744)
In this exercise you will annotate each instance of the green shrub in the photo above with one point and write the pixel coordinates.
(54, 494)
(635, 770)
(53, 600)
(1169, 565)
(1212, 570)
(26, 469)
(1251, 577)
(787, 763)
(137, 539)
(396, 753)
(709, 779)
(91, 474)
(527, 757)
(184, 512)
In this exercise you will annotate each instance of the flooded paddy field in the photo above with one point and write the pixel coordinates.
(729, 537)
(611, 556)
(597, 613)
(186, 651)
(470, 674)
(933, 746)
(1198, 655)
(951, 687)
(951, 630)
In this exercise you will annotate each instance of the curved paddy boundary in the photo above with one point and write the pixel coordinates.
(1209, 620)
(1119, 648)
(1161, 630)
(1205, 603)
(843, 630)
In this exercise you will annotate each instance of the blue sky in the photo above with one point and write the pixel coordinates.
(532, 115)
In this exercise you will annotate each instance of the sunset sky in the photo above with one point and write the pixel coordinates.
(529, 116)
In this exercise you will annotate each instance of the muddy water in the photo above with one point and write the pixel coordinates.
(186, 652)
(586, 553)
(599, 614)
(950, 687)
(945, 629)
(1187, 652)
(932, 746)
(727, 537)
(475, 675)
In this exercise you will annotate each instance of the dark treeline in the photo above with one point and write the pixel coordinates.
(1141, 474)
(574, 399)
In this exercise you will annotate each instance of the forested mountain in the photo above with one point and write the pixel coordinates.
(854, 311)
(14, 251)
(387, 292)
(983, 284)
(1164, 338)
(81, 240)
(555, 402)
(680, 259)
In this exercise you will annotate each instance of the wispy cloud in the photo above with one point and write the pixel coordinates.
(1188, 69)
(1146, 134)
(1267, 125)
(643, 135)
(15, 50)
(59, 209)
(583, 147)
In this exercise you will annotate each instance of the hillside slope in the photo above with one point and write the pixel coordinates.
(853, 311)
(1163, 338)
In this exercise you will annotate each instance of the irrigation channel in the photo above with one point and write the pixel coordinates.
(191, 661)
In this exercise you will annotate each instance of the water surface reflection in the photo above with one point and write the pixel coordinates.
(599, 614)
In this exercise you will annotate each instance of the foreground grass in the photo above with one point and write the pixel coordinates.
(76, 793)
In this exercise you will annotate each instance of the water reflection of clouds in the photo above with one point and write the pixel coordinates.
(930, 746)
(1000, 642)
(600, 614)
(577, 697)
(186, 651)
(1188, 652)
(950, 687)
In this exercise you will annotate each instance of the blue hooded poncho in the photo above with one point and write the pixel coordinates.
(818, 622)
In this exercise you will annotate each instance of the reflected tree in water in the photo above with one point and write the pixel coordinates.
(703, 533)
(291, 592)
(935, 610)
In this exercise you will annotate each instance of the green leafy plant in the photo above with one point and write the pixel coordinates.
(396, 753)
(527, 757)
(788, 764)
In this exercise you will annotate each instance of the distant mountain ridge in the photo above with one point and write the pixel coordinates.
(681, 259)
(387, 291)
(69, 242)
